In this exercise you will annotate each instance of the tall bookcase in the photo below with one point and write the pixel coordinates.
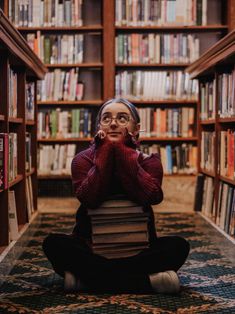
(18, 57)
(99, 69)
(216, 119)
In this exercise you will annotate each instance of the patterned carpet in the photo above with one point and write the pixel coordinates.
(207, 278)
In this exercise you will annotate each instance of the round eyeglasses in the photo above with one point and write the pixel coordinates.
(121, 119)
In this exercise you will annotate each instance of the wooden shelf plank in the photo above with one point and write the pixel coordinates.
(164, 102)
(2, 117)
(54, 177)
(15, 120)
(155, 65)
(74, 65)
(30, 122)
(227, 180)
(72, 102)
(180, 175)
(214, 27)
(207, 172)
(18, 47)
(62, 28)
(145, 139)
(226, 120)
(217, 54)
(170, 139)
(16, 180)
(206, 122)
(57, 140)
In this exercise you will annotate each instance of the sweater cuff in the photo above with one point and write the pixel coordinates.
(104, 154)
(126, 158)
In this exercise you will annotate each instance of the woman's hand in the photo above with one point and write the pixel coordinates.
(99, 137)
(130, 139)
(100, 134)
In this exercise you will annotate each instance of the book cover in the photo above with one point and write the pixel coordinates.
(13, 222)
(115, 210)
(114, 227)
(134, 237)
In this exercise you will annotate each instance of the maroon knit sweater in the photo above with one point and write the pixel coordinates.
(109, 168)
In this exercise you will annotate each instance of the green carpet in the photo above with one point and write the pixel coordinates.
(207, 278)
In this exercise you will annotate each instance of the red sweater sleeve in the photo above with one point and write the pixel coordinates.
(141, 180)
(91, 173)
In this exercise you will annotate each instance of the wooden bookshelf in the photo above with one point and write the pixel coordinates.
(62, 28)
(18, 57)
(207, 122)
(74, 103)
(218, 61)
(141, 139)
(152, 65)
(174, 28)
(74, 65)
(99, 18)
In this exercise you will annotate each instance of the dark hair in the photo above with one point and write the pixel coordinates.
(132, 108)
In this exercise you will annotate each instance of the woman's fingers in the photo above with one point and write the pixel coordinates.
(100, 134)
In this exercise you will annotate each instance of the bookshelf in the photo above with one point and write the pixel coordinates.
(217, 65)
(17, 59)
(99, 68)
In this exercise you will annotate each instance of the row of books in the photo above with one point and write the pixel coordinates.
(176, 159)
(177, 122)
(35, 13)
(207, 151)
(55, 123)
(155, 85)
(13, 99)
(61, 85)
(227, 154)
(161, 12)
(224, 215)
(57, 49)
(226, 94)
(9, 156)
(119, 228)
(12, 95)
(55, 159)
(208, 100)
(156, 48)
(12, 209)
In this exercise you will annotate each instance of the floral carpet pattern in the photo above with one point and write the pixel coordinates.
(207, 278)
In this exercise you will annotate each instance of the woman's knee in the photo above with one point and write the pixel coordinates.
(182, 244)
(175, 245)
(51, 242)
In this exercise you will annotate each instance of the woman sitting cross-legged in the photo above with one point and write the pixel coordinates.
(112, 165)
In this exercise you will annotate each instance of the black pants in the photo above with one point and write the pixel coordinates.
(130, 274)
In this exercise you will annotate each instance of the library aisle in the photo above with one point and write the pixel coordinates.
(207, 278)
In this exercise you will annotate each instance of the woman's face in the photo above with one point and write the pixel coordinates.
(115, 119)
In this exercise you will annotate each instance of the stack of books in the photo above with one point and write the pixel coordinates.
(119, 228)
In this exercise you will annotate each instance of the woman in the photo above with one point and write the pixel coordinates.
(111, 166)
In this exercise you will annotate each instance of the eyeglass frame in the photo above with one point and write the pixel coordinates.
(115, 118)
